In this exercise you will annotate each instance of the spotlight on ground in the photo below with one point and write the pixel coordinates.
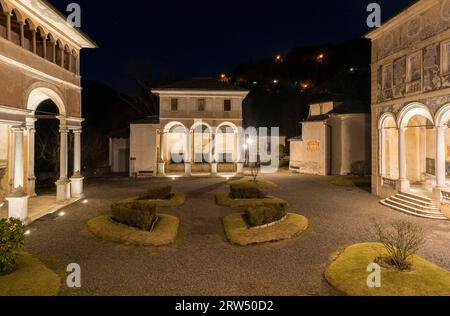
(28, 232)
(61, 214)
(85, 202)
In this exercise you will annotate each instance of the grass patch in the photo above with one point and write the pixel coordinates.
(261, 184)
(350, 181)
(224, 199)
(30, 278)
(177, 199)
(239, 233)
(347, 273)
(164, 232)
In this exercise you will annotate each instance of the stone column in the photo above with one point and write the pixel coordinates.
(403, 183)
(18, 199)
(188, 155)
(162, 148)
(8, 26)
(441, 176)
(63, 185)
(76, 182)
(240, 152)
(31, 156)
(54, 52)
(213, 153)
(22, 34)
(33, 42)
(44, 46)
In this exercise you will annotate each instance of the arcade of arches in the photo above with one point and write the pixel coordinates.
(201, 148)
(414, 150)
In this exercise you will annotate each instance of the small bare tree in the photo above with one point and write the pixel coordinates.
(254, 169)
(401, 239)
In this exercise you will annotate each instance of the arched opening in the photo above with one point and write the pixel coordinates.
(40, 37)
(16, 22)
(28, 35)
(201, 144)
(174, 148)
(67, 58)
(420, 147)
(50, 42)
(47, 148)
(59, 53)
(226, 147)
(3, 20)
(389, 148)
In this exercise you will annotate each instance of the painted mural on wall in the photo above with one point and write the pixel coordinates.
(428, 69)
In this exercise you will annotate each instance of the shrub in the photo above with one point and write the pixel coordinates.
(136, 214)
(266, 214)
(158, 193)
(12, 237)
(402, 240)
(246, 192)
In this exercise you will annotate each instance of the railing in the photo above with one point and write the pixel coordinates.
(390, 183)
(445, 197)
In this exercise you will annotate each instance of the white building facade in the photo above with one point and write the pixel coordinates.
(39, 61)
(197, 131)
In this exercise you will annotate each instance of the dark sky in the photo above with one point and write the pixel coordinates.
(203, 38)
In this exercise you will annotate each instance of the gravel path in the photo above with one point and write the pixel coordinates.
(202, 262)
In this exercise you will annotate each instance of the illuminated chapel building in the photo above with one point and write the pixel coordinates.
(411, 110)
(39, 64)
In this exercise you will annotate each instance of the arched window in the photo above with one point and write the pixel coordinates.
(67, 57)
(16, 22)
(50, 48)
(3, 23)
(28, 35)
(40, 36)
(74, 64)
(59, 51)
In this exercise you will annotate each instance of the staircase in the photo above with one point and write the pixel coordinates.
(415, 205)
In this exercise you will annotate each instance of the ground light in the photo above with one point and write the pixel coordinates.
(85, 202)
(61, 214)
(28, 232)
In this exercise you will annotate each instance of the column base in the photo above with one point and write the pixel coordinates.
(403, 185)
(214, 168)
(62, 190)
(437, 193)
(76, 186)
(240, 168)
(32, 186)
(18, 206)
(188, 169)
(161, 169)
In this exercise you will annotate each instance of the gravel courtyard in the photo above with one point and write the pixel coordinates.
(202, 262)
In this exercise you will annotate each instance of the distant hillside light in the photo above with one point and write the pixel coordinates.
(278, 58)
(352, 69)
(320, 57)
(275, 81)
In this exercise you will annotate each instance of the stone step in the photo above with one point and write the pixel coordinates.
(415, 204)
(414, 200)
(391, 205)
(413, 209)
(417, 197)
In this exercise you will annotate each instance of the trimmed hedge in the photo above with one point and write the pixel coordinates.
(265, 214)
(138, 214)
(246, 192)
(158, 193)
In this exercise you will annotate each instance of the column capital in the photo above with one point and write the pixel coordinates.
(18, 128)
(76, 130)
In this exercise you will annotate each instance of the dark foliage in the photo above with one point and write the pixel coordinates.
(246, 192)
(159, 193)
(136, 214)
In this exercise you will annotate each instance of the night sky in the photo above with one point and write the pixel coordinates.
(140, 38)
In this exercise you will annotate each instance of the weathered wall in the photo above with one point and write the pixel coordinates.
(143, 148)
(119, 162)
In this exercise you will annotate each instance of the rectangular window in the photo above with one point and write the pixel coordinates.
(414, 67)
(174, 105)
(388, 77)
(227, 106)
(445, 58)
(201, 103)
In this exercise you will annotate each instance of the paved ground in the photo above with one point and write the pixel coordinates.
(202, 262)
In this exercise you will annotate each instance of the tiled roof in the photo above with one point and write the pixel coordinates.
(201, 84)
